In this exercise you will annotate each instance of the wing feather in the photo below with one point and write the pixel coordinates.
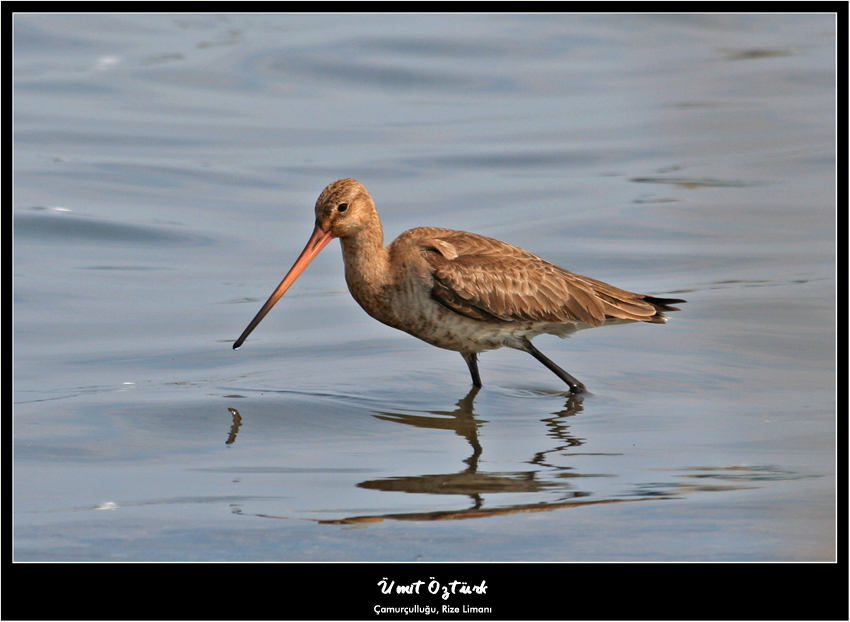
(485, 279)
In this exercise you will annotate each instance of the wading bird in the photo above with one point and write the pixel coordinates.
(457, 290)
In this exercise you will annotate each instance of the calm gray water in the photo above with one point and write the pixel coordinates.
(166, 169)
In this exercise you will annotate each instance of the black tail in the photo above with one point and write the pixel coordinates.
(661, 305)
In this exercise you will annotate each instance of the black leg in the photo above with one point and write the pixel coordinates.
(471, 359)
(575, 385)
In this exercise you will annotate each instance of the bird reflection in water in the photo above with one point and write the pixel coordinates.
(471, 481)
(234, 428)
(546, 478)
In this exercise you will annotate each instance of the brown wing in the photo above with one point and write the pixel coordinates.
(486, 279)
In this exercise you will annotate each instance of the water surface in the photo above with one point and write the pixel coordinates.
(166, 167)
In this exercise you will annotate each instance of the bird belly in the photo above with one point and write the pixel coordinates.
(428, 320)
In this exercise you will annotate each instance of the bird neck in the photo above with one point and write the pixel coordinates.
(366, 259)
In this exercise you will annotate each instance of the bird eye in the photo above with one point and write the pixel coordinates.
(342, 207)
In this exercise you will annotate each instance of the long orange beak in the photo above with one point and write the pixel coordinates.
(317, 242)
